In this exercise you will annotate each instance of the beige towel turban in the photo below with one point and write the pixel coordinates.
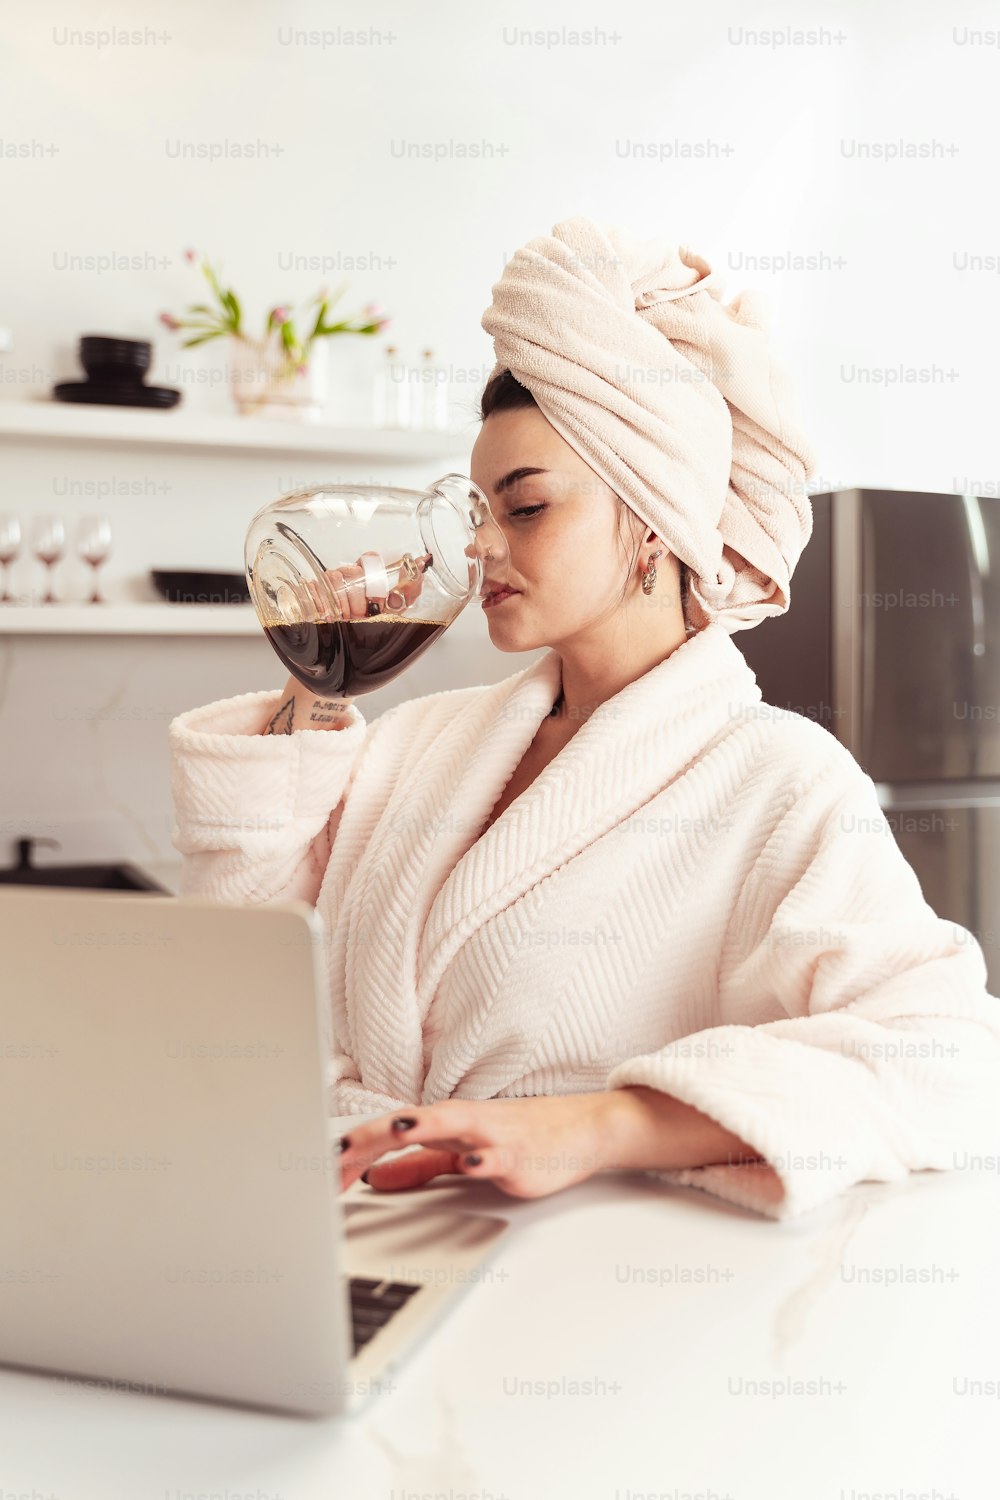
(673, 399)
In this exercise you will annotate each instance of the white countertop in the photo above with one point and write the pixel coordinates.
(626, 1340)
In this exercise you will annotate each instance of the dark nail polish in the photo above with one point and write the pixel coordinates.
(364, 1177)
(473, 1160)
(344, 1142)
(404, 1122)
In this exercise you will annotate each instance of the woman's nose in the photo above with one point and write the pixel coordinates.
(489, 544)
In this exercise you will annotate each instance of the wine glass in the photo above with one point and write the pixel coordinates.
(10, 546)
(50, 546)
(93, 544)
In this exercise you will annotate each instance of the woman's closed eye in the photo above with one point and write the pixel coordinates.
(526, 510)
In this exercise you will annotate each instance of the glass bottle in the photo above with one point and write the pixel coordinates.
(392, 392)
(433, 394)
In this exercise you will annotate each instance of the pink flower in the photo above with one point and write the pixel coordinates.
(169, 321)
(191, 256)
(381, 323)
(278, 316)
(372, 310)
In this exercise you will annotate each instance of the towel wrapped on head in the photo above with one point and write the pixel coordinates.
(675, 400)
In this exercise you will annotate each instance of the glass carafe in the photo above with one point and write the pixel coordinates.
(352, 582)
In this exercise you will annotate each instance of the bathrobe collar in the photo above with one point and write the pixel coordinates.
(426, 859)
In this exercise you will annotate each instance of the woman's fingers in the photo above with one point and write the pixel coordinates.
(447, 1129)
(376, 593)
(480, 1161)
(361, 1155)
(526, 1147)
(411, 1170)
(308, 597)
(348, 586)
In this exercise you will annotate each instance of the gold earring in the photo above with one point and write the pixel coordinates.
(649, 577)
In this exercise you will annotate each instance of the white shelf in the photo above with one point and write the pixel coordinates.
(130, 619)
(58, 421)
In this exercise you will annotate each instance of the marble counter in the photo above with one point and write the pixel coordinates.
(626, 1341)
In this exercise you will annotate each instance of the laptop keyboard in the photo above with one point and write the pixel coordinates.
(372, 1305)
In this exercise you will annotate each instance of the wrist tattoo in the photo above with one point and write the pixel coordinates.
(328, 711)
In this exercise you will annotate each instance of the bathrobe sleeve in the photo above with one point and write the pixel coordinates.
(255, 815)
(885, 1054)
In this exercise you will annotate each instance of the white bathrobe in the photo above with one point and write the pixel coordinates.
(699, 894)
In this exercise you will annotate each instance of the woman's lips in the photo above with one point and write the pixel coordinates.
(497, 596)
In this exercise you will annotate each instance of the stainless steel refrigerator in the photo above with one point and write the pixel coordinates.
(892, 643)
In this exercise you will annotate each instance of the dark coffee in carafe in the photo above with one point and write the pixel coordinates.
(341, 658)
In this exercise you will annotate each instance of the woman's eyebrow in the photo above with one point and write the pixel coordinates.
(513, 477)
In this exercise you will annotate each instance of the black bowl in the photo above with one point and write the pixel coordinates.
(119, 359)
(187, 587)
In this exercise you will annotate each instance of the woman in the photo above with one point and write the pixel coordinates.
(612, 911)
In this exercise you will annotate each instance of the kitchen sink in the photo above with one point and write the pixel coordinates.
(102, 877)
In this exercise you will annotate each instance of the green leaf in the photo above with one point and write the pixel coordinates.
(232, 302)
(317, 327)
(212, 279)
(202, 338)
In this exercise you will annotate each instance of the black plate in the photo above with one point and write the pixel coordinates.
(115, 393)
(187, 587)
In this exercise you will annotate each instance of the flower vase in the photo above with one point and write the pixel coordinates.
(265, 383)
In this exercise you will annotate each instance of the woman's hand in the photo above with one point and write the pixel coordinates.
(528, 1147)
(349, 588)
(531, 1147)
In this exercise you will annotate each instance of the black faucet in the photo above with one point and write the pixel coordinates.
(24, 847)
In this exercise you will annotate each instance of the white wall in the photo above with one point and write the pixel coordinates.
(890, 286)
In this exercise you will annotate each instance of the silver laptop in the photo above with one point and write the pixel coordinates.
(170, 1211)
